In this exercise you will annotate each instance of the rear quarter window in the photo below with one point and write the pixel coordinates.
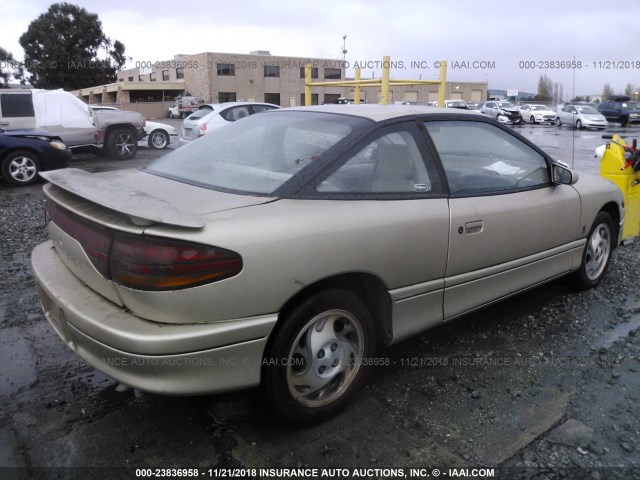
(16, 105)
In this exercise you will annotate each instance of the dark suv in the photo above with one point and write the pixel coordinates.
(619, 108)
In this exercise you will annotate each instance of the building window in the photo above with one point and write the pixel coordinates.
(180, 72)
(272, 98)
(226, 97)
(165, 75)
(152, 76)
(332, 74)
(314, 72)
(226, 70)
(141, 78)
(271, 71)
(314, 99)
(130, 79)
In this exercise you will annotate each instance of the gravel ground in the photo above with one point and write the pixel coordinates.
(544, 385)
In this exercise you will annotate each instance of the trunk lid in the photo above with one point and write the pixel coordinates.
(85, 209)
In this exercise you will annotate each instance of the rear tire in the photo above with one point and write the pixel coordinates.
(597, 252)
(21, 167)
(317, 361)
(558, 122)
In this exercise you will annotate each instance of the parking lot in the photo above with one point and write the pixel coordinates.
(543, 385)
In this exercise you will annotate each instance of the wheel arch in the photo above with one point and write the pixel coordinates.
(119, 126)
(11, 150)
(370, 289)
(613, 211)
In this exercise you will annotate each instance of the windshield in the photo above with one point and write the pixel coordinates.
(587, 110)
(539, 107)
(505, 105)
(257, 155)
(631, 105)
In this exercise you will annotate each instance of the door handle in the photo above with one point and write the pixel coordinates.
(473, 227)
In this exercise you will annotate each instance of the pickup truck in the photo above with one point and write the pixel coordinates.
(68, 117)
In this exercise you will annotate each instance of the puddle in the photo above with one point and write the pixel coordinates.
(621, 331)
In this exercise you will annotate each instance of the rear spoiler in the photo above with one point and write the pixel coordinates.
(143, 209)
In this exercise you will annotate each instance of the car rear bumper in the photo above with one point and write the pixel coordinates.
(184, 141)
(185, 359)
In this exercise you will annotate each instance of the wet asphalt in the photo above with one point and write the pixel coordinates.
(544, 385)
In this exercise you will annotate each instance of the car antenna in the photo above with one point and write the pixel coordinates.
(573, 137)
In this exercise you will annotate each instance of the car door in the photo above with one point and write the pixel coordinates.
(610, 110)
(566, 114)
(387, 194)
(525, 111)
(511, 228)
(78, 135)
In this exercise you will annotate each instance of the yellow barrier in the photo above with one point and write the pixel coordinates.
(613, 166)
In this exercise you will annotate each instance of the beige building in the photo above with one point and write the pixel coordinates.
(258, 76)
(226, 77)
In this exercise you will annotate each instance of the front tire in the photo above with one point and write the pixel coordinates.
(21, 168)
(122, 144)
(158, 139)
(597, 252)
(317, 361)
(532, 120)
(624, 121)
(558, 122)
(578, 125)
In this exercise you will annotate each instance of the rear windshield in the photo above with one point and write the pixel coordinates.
(198, 114)
(259, 154)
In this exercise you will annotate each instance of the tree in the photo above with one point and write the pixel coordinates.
(607, 91)
(10, 69)
(65, 47)
(545, 89)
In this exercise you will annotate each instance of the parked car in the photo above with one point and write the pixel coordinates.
(537, 113)
(214, 115)
(25, 153)
(620, 108)
(68, 117)
(474, 106)
(580, 116)
(505, 112)
(461, 104)
(284, 249)
(157, 135)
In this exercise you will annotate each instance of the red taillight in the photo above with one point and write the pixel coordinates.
(202, 129)
(145, 262)
(95, 239)
(152, 263)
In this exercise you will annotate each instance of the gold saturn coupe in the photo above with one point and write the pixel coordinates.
(284, 249)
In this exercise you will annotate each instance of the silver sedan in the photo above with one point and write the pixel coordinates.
(285, 249)
(581, 116)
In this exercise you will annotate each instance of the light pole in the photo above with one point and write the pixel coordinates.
(344, 47)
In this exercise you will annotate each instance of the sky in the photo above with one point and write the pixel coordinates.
(508, 44)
